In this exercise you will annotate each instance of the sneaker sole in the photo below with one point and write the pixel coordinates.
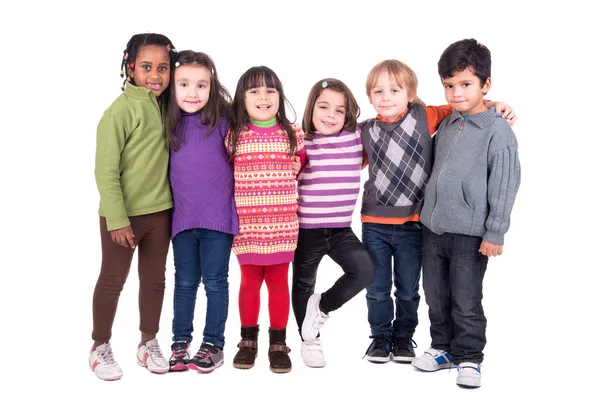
(178, 367)
(108, 378)
(428, 368)
(157, 371)
(462, 385)
(204, 370)
(378, 360)
(403, 360)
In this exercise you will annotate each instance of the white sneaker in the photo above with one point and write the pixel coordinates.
(469, 375)
(103, 363)
(314, 318)
(433, 360)
(150, 356)
(312, 354)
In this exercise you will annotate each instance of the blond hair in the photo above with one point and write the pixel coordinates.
(404, 76)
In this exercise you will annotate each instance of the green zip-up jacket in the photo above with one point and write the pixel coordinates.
(132, 158)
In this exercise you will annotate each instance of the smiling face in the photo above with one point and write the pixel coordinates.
(192, 87)
(262, 103)
(388, 98)
(152, 69)
(329, 112)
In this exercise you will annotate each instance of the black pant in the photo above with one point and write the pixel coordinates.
(453, 270)
(343, 247)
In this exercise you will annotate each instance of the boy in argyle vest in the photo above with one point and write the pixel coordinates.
(398, 147)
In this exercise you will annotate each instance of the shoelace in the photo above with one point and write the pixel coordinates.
(107, 356)
(406, 343)
(204, 352)
(155, 352)
(378, 342)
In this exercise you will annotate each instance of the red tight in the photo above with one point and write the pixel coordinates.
(276, 277)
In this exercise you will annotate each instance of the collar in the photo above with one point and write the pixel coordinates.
(387, 121)
(139, 92)
(482, 119)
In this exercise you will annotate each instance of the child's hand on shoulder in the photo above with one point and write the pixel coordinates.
(490, 249)
(123, 236)
(507, 111)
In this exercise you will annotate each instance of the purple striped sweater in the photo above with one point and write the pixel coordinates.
(329, 184)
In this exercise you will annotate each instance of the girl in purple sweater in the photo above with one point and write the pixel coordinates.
(204, 216)
(327, 191)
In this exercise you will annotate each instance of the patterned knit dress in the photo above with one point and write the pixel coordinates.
(265, 195)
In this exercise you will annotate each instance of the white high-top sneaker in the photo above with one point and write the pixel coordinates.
(150, 356)
(314, 318)
(102, 362)
(469, 375)
(312, 353)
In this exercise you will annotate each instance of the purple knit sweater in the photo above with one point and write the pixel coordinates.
(202, 179)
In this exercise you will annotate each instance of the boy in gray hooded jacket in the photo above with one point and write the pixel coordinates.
(466, 212)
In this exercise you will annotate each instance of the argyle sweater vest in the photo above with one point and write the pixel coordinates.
(400, 160)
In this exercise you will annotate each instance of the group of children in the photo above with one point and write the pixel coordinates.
(178, 160)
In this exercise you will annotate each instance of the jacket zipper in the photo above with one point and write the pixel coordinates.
(460, 128)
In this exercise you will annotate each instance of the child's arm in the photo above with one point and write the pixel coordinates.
(111, 136)
(503, 183)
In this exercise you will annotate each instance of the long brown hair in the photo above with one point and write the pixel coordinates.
(219, 100)
(253, 78)
(352, 108)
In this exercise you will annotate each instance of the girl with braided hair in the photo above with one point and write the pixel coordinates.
(131, 170)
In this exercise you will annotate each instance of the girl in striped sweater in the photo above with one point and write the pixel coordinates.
(264, 145)
(327, 191)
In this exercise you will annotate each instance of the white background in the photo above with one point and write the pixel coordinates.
(60, 69)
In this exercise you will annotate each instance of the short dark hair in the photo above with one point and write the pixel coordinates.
(466, 53)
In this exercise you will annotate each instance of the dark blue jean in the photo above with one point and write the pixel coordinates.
(201, 255)
(453, 270)
(401, 246)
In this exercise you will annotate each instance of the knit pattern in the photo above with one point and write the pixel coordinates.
(265, 196)
(201, 177)
(330, 183)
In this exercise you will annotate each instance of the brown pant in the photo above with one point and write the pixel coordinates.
(152, 238)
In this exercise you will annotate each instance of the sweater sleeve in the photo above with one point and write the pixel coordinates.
(110, 141)
(503, 183)
(435, 116)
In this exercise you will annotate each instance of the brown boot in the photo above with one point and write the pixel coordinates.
(244, 359)
(278, 352)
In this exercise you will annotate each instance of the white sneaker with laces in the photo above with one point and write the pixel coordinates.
(150, 356)
(314, 318)
(469, 375)
(312, 353)
(102, 362)
(433, 360)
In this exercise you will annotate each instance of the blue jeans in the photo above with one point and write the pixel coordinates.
(402, 244)
(453, 270)
(201, 255)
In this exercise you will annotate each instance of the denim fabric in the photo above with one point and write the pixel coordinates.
(453, 270)
(201, 255)
(344, 248)
(396, 251)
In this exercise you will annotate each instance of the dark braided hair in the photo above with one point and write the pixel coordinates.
(135, 44)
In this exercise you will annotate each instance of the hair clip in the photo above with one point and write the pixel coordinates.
(123, 87)
(131, 65)
(168, 47)
(324, 84)
(177, 64)
(125, 56)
